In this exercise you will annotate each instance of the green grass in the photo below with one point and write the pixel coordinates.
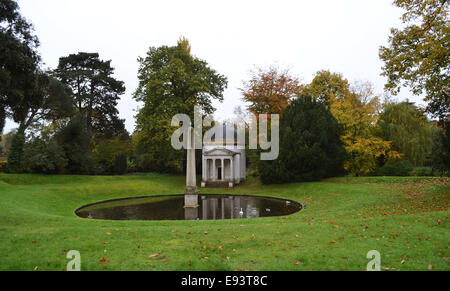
(405, 219)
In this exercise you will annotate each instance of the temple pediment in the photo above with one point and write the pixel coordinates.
(220, 152)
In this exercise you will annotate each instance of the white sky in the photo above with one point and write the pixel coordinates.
(232, 36)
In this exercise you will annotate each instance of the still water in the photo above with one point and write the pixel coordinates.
(211, 207)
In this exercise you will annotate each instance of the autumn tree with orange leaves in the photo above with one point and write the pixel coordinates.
(270, 90)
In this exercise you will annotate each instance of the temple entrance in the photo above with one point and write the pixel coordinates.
(219, 174)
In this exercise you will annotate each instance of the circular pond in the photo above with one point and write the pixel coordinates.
(211, 207)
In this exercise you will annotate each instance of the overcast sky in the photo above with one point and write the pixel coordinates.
(232, 36)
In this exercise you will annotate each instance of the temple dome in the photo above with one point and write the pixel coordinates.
(228, 133)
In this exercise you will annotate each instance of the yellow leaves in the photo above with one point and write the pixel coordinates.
(363, 153)
(357, 112)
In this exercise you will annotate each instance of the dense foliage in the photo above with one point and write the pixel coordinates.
(171, 81)
(418, 55)
(19, 61)
(270, 91)
(95, 91)
(409, 130)
(310, 145)
(69, 122)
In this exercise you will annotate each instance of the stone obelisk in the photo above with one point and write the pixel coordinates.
(191, 192)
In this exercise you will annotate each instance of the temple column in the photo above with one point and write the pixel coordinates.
(232, 169)
(223, 169)
(238, 173)
(215, 170)
(204, 164)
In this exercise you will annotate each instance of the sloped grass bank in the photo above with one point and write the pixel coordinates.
(405, 219)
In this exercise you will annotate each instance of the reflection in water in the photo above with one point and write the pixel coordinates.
(212, 207)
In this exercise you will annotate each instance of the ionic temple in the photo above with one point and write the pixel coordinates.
(224, 160)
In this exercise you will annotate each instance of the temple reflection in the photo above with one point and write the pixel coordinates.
(225, 207)
(173, 207)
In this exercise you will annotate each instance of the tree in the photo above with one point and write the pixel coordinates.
(441, 149)
(52, 101)
(310, 145)
(75, 139)
(44, 155)
(357, 112)
(5, 142)
(106, 152)
(16, 151)
(409, 130)
(171, 81)
(95, 91)
(120, 163)
(327, 86)
(418, 56)
(270, 91)
(19, 61)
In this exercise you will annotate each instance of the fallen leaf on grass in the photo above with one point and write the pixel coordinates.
(104, 260)
(296, 263)
(108, 233)
(154, 255)
(430, 267)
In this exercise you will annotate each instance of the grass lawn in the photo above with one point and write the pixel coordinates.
(405, 219)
